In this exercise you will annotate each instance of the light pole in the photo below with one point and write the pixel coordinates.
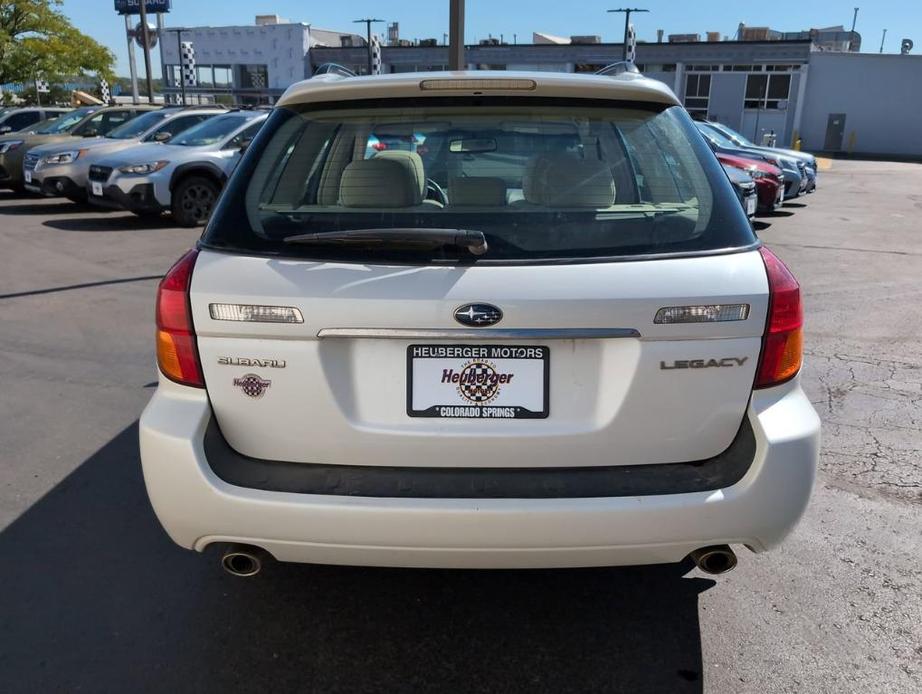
(145, 36)
(627, 23)
(368, 22)
(456, 34)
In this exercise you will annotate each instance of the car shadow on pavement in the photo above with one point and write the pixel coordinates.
(119, 222)
(43, 207)
(95, 597)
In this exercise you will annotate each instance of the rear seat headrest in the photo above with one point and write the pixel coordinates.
(476, 191)
(379, 182)
(564, 180)
(412, 161)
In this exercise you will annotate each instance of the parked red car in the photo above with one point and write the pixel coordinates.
(768, 177)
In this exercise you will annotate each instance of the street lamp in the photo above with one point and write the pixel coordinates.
(627, 23)
(368, 22)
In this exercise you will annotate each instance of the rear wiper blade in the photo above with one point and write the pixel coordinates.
(473, 241)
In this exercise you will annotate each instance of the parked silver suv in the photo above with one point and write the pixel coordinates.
(61, 169)
(184, 176)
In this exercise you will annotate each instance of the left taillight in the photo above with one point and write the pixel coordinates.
(177, 354)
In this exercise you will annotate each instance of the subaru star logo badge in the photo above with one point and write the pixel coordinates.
(478, 315)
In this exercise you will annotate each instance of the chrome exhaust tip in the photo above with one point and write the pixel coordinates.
(714, 560)
(242, 560)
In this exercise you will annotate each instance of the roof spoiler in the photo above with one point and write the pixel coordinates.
(618, 68)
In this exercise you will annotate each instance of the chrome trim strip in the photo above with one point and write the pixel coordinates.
(479, 333)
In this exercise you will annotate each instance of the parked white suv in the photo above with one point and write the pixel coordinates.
(545, 335)
(184, 176)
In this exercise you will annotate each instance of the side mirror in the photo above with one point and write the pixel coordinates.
(5, 129)
(244, 144)
(90, 132)
(162, 137)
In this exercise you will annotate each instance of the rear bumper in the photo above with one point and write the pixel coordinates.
(198, 508)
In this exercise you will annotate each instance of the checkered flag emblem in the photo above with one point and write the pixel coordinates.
(478, 382)
(631, 44)
(252, 385)
(375, 55)
(187, 60)
(104, 92)
(41, 85)
(258, 80)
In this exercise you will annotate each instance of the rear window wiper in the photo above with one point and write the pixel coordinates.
(410, 237)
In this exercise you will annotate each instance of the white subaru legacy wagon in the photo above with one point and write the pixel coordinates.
(482, 320)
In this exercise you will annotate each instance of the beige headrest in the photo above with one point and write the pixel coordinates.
(379, 183)
(564, 180)
(412, 161)
(477, 191)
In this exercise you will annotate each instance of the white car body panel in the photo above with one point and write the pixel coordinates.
(339, 398)
(198, 509)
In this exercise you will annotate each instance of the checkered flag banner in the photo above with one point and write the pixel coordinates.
(41, 86)
(104, 92)
(257, 79)
(187, 60)
(631, 44)
(375, 55)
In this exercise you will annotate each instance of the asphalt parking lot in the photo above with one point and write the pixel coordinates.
(94, 597)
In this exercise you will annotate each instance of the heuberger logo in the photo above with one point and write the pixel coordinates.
(478, 381)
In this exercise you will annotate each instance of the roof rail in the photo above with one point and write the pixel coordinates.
(333, 69)
(618, 68)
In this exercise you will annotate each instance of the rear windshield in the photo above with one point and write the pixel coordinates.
(542, 180)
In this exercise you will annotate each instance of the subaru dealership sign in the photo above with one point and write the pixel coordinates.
(134, 6)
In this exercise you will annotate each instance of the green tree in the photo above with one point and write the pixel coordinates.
(37, 39)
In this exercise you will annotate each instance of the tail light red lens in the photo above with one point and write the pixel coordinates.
(782, 347)
(177, 354)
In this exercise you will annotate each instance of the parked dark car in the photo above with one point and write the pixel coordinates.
(745, 188)
(17, 119)
(794, 175)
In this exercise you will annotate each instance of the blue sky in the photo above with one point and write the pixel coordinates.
(429, 18)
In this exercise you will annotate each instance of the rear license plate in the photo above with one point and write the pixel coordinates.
(96, 187)
(751, 206)
(478, 381)
(28, 176)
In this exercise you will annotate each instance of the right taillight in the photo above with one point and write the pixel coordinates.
(177, 354)
(782, 347)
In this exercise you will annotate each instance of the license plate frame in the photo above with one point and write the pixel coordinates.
(479, 400)
(96, 188)
(27, 175)
(750, 206)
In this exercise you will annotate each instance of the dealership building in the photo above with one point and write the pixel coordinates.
(809, 86)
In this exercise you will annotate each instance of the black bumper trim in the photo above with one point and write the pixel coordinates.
(139, 199)
(721, 471)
